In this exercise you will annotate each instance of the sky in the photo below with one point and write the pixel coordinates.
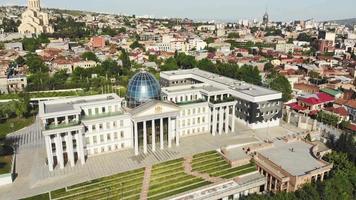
(226, 10)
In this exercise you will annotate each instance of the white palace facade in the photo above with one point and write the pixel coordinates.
(190, 102)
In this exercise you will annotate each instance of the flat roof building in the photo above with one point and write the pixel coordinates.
(289, 163)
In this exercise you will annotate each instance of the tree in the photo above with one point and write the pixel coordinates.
(169, 64)
(207, 65)
(211, 49)
(249, 74)
(314, 75)
(20, 61)
(90, 56)
(268, 67)
(282, 84)
(126, 63)
(30, 44)
(186, 61)
(9, 25)
(109, 68)
(136, 44)
(304, 37)
(58, 80)
(35, 63)
(233, 35)
(209, 40)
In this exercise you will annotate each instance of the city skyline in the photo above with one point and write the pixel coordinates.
(227, 10)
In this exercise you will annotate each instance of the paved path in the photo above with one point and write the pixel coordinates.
(146, 183)
(189, 170)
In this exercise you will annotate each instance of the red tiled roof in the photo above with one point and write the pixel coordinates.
(340, 111)
(296, 106)
(318, 98)
(313, 112)
(352, 127)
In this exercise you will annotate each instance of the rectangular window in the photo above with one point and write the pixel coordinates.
(93, 127)
(115, 135)
(94, 139)
(107, 125)
(101, 138)
(108, 137)
(121, 123)
(122, 134)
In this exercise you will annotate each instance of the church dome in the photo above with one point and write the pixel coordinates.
(142, 88)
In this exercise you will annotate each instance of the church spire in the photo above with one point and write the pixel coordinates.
(33, 5)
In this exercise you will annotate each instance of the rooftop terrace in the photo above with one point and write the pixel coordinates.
(294, 157)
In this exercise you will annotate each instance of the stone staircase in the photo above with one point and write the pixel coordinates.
(146, 183)
(189, 170)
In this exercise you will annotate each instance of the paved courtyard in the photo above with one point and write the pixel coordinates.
(33, 176)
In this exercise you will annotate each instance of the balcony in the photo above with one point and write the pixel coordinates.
(102, 115)
(225, 100)
(63, 125)
(182, 103)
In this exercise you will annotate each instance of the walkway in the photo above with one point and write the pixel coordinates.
(189, 170)
(146, 183)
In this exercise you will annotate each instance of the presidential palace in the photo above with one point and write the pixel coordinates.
(153, 115)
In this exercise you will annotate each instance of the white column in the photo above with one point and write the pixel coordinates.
(55, 121)
(144, 137)
(233, 119)
(177, 132)
(214, 121)
(153, 136)
(59, 151)
(80, 147)
(227, 116)
(136, 138)
(66, 119)
(169, 133)
(161, 133)
(221, 120)
(70, 152)
(49, 152)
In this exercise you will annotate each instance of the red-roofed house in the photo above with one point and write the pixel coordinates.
(341, 112)
(97, 42)
(312, 103)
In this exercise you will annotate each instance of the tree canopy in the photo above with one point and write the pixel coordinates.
(281, 84)
(90, 56)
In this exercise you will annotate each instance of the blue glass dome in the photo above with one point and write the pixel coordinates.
(142, 87)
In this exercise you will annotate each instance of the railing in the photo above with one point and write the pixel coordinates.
(190, 102)
(102, 115)
(63, 125)
(225, 100)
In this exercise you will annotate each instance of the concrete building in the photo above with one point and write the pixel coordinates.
(12, 84)
(34, 21)
(232, 189)
(191, 102)
(288, 164)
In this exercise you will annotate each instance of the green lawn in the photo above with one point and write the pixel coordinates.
(14, 124)
(125, 186)
(215, 165)
(169, 178)
(6, 153)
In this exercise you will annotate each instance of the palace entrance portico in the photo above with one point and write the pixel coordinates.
(155, 125)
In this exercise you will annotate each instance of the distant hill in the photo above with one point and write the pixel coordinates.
(348, 22)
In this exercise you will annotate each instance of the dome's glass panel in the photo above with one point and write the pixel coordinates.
(142, 87)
